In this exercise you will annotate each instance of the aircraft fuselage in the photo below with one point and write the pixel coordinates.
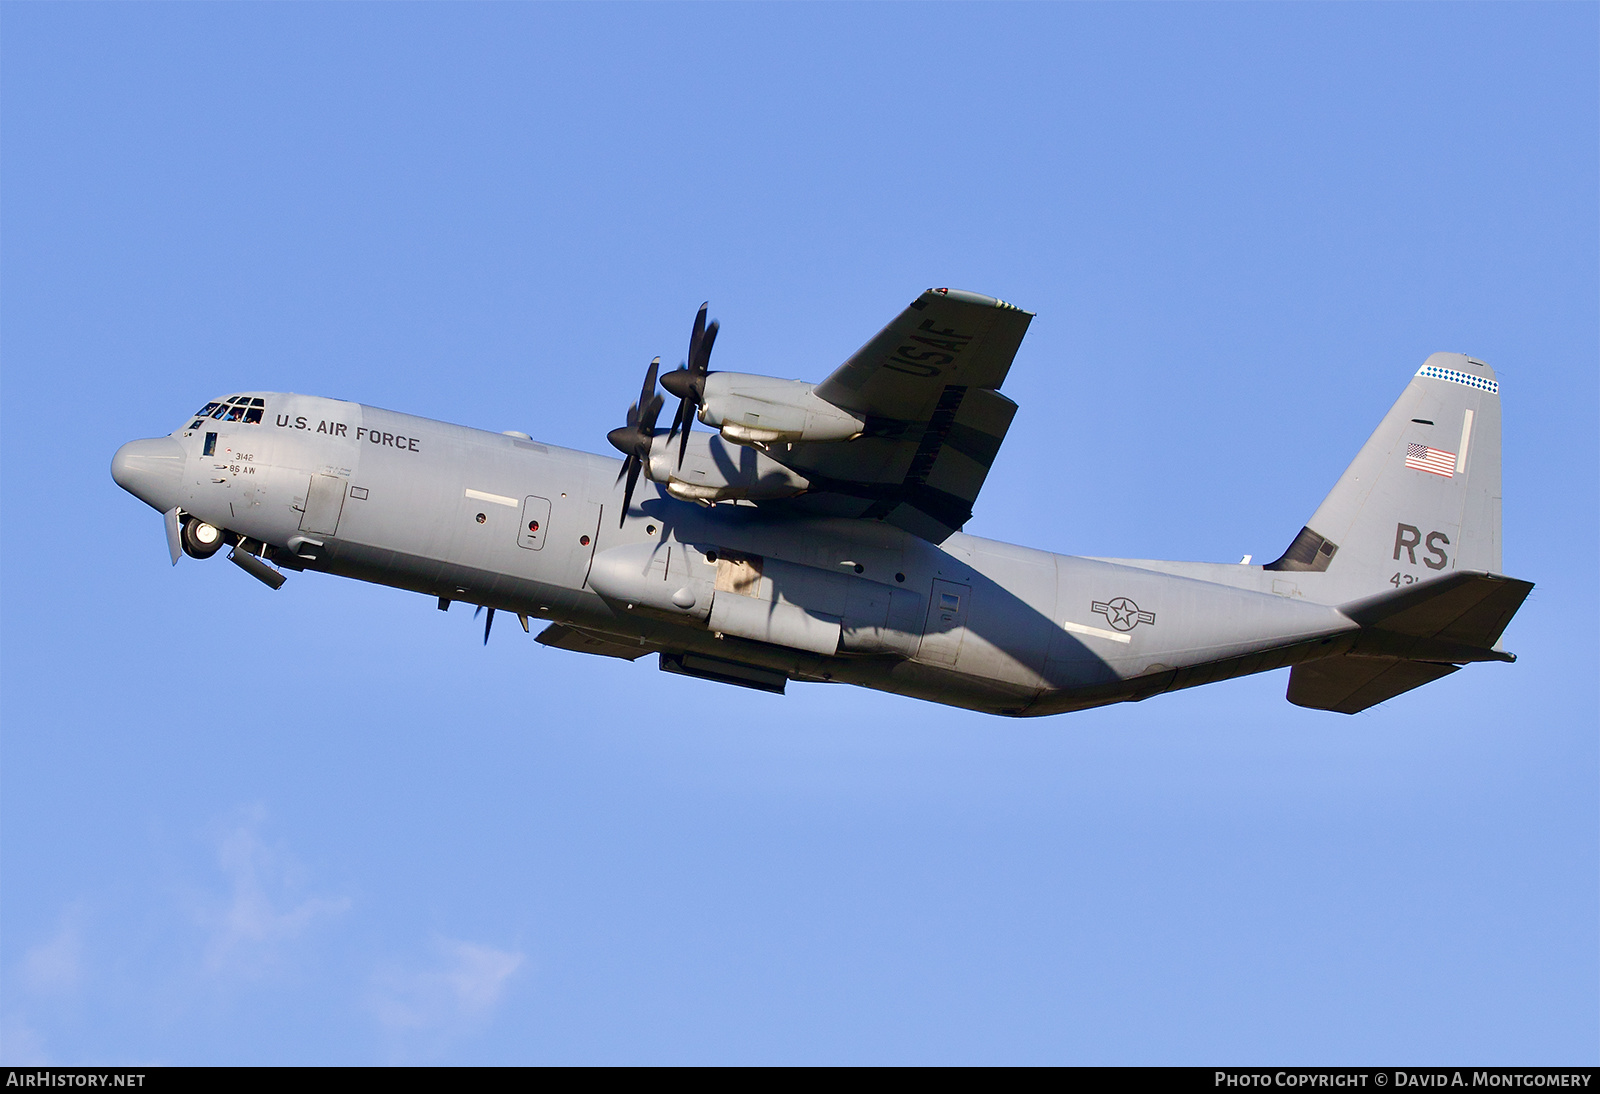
(528, 528)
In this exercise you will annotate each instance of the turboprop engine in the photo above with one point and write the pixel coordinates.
(762, 410)
(708, 470)
(747, 409)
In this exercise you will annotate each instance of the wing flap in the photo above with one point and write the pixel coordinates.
(968, 449)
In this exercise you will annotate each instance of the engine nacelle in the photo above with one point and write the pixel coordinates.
(763, 410)
(714, 470)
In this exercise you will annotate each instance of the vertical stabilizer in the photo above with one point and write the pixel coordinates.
(1421, 500)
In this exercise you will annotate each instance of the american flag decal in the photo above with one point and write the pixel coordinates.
(1435, 461)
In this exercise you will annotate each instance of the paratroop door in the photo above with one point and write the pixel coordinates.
(324, 503)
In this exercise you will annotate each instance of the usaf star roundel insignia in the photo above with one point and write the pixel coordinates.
(1122, 613)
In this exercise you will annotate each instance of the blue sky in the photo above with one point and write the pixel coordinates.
(326, 825)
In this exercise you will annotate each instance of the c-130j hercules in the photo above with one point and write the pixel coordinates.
(816, 534)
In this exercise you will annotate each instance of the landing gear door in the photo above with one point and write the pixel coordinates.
(535, 519)
(324, 503)
(946, 624)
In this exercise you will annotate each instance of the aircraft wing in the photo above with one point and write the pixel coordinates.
(928, 387)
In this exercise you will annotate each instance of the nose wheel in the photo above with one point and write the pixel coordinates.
(201, 540)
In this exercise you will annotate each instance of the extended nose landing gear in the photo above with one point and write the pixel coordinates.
(200, 540)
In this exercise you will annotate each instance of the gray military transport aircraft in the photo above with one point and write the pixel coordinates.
(816, 535)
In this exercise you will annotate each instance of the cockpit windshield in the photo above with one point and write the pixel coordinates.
(235, 408)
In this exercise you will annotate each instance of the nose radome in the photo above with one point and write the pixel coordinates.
(151, 470)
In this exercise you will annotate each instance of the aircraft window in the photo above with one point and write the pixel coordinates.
(207, 409)
(258, 402)
(220, 411)
(949, 601)
(211, 445)
(235, 413)
(195, 424)
(253, 414)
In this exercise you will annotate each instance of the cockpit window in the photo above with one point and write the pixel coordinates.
(234, 408)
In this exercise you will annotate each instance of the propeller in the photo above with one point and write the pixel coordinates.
(487, 623)
(633, 440)
(689, 382)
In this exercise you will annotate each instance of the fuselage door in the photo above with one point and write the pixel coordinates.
(324, 503)
(535, 518)
(947, 623)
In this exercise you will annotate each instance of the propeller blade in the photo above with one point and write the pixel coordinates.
(649, 390)
(647, 423)
(487, 623)
(627, 494)
(689, 382)
(705, 356)
(695, 334)
(677, 419)
(683, 441)
(634, 439)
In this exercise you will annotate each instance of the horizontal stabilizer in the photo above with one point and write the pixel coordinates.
(1426, 630)
(571, 638)
(1470, 608)
(1349, 685)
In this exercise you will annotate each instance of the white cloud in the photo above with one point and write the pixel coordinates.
(20, 1044)
(55, 966)
(422, 1010)
(264, 908)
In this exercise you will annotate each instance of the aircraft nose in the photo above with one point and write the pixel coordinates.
(151, 470)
